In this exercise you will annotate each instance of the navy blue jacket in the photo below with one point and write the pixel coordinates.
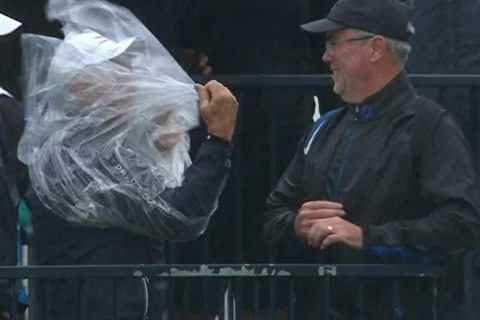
(57, 242)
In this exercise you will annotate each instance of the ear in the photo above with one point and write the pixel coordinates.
(378, 48)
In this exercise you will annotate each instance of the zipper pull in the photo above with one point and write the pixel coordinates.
(357, 113)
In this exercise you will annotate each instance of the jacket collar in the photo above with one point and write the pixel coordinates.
(395, 94)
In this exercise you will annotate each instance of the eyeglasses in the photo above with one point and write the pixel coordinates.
(330, 45)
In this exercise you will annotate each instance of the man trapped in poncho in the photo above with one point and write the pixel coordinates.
(106, 144)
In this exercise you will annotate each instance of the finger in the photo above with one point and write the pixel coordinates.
(316, 234)
(304, 229)
(214, 85)
(322, 205)
(317, 237)
(311, 236)
(330, 240)
(203, 95)
(217, 90)
(308, 214)
(220, 93)
(307, 224)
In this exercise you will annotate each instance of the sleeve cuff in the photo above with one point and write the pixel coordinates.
(371, 236)
(221, 145)
(217, 139)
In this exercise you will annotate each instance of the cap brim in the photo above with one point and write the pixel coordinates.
(96, 48)
(7, 25)
(322, 25)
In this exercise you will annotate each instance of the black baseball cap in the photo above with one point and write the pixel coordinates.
(389, 18)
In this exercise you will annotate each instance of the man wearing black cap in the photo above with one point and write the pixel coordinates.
(389, 174)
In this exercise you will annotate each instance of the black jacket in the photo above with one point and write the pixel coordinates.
(404, 173)
(422, 197)
(13, 181)
(56, 242)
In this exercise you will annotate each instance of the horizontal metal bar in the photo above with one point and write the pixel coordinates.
(315, 80)
(222, 271)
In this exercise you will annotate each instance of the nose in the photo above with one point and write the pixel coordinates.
(327, 56)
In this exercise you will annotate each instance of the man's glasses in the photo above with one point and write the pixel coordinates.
(331, 44)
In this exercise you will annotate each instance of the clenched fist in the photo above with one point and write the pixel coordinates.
(218, 108)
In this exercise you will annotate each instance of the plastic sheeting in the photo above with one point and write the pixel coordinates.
(108, 110)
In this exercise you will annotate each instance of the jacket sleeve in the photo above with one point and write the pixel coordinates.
(282, 206)
(193, 202)
(448, 185)
(204, 180)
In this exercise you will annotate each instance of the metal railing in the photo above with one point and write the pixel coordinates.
(234, 276)
(232, 308)
(316, 80)
(471, 82)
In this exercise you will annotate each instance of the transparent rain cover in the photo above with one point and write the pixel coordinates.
(108, 110)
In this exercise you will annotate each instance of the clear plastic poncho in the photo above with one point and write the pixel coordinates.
(108, 110)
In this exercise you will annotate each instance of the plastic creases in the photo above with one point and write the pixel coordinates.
(108, 110)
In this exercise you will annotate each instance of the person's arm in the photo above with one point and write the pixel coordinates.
(180, 213)
(279, 217)
(205, 179)
(449, 187)
(197, 197)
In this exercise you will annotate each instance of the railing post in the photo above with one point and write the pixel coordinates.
(13, 299)
(273, 298)
(115, 311)
(397, 302)
(325, 296)
(435, 298)
(291, 299)
(361, 301)
(256, 297)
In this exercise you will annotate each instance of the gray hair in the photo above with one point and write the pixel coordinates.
(400, 49)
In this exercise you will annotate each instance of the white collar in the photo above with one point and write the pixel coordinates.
(4, 92)
(7, 24)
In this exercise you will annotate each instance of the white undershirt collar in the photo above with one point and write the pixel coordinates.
(4, 92)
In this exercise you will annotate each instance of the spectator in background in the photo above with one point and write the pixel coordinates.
(173, 22)
(447, 41)
(13, 181)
